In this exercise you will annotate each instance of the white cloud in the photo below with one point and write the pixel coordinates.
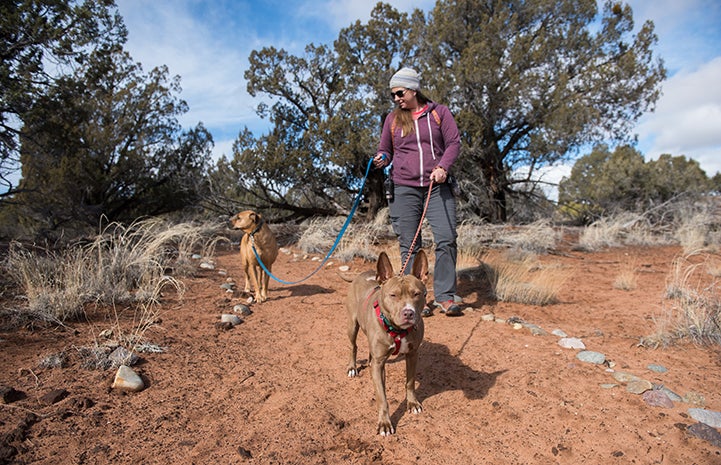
(205, 52)
(686, 30)
(687, 120)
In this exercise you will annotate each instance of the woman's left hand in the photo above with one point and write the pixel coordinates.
(439, 175)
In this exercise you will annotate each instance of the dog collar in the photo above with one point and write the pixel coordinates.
(396, 333)
(257, 228)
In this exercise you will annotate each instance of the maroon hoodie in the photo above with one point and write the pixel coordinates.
(435, 142)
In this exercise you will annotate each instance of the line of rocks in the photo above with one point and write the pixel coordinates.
(653, 394)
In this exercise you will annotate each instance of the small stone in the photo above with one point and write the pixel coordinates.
(671, 395)
(243, 310)
(694, 398)
(705, 432)
(517, 326)
(639, 386)
(488, 317)
(344, 268)
(196, 256)
(535, 329)
(230, 318)
(657, 399)
(227, 286)
(608, 385)
(657, 368)
(559, 333)
(207, 266)
(623, 377)
(590, 356)
(127, 380)
(708, 417)
(53, 397)
(571, 343)
(500, 320)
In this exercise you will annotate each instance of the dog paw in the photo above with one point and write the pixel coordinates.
(415, 407)
(352, 372)
(385, 428)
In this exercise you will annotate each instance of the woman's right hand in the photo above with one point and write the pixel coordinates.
(380, 160)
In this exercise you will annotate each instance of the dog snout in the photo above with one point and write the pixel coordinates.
(408, 313)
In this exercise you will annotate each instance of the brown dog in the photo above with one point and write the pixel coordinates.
(388, 310)
(258, 235)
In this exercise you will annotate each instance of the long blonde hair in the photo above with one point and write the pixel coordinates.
(404, 118)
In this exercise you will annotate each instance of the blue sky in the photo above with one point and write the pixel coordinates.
(207, 43)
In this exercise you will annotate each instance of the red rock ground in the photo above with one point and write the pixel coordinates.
(274, 389)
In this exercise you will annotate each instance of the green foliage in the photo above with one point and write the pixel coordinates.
(105, 142)
(529, 81)
(604, 183)
(327, 118)
(34, 34)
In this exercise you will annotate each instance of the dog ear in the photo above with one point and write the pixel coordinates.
(384, 270)
(420, 266)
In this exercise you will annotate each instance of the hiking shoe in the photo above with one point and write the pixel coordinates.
(426, 312)
(450, 308)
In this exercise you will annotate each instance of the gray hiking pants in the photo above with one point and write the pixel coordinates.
(406, 210)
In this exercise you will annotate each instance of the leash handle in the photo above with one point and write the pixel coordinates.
(418, 231)
(335, 244)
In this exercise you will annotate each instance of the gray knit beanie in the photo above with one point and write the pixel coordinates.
(406, 77)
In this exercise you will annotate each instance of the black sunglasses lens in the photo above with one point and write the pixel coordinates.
(398, 93)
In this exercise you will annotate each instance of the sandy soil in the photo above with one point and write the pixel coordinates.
(274, 389)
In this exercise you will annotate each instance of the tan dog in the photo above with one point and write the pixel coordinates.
(258, 235)
(388, 310)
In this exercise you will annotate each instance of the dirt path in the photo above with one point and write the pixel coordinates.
(273, 390)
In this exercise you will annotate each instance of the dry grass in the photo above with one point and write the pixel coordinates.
(626, 228)
(626, 279)
(523, 279)
(693, 308)
(693, 231)
(121, 265)
(538, 237)
(363, 240)
(694, 227)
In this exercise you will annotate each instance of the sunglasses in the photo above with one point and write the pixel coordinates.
(398, 93)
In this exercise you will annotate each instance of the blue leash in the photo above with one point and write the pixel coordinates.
(337, 240)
